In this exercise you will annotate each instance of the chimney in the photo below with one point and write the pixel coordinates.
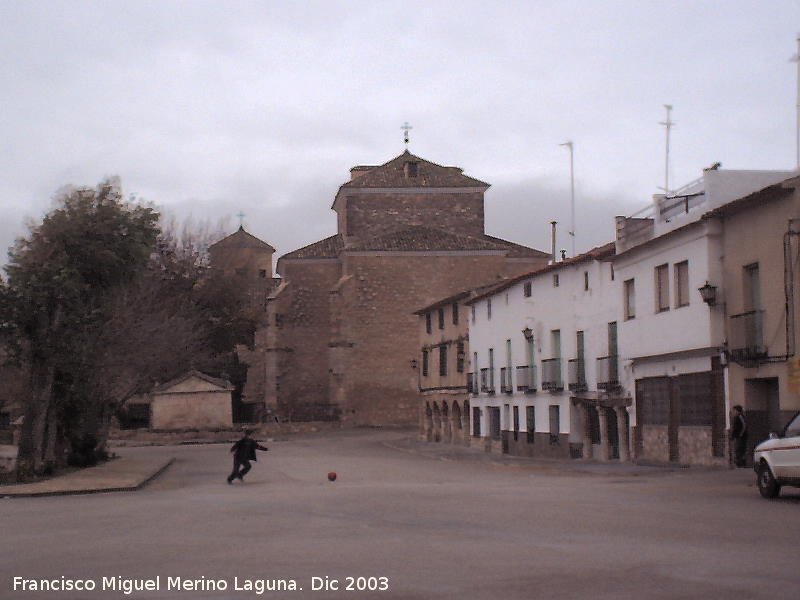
(553, 241)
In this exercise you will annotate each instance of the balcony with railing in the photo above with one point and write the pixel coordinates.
(551, 374)
(472, 383)
(505, 380)
(576, 375)
(526, 379)
(746, 341)
(487, 381)
(608, 373)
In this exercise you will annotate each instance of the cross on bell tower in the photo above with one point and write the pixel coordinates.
(240, 214)
(406, 127)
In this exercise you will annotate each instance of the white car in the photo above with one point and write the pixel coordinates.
(777, 460)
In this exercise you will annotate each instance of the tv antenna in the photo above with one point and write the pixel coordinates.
(571, 232)
(668, 125)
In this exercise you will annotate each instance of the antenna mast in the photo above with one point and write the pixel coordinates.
(796, 58)
(668, 125)
(571, 232)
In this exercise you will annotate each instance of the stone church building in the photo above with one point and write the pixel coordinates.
(339, 337)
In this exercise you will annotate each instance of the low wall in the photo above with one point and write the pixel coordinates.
(123, 437)
(694, 447)
(655, 443)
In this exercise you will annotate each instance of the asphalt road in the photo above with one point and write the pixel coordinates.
(435, 523)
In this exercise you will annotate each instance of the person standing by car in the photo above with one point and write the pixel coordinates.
(739, 436)
(243, 452)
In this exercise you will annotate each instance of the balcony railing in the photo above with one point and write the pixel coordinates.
(746, 341)
(526, 379)
(472, 383)
(505, 380)
(576, 375)
(608, 372)
(487, 381)
(551, 374)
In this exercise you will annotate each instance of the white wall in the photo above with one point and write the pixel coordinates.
(679, 328)
(568, 308)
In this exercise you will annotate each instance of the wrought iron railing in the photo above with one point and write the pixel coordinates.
(526, 379)
(505, 380)
(472, 383)
(576, 375)
(608, 372)
(487, 381)
(551, 374)
(746, 340)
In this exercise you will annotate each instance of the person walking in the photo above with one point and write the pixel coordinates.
(243, 452)
(739, 436)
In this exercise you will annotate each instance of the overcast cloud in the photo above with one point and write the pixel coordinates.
(211, 108)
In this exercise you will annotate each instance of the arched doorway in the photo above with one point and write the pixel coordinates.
(437, 423)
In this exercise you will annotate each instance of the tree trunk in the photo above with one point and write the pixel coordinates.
(50, 447)
(30, 456)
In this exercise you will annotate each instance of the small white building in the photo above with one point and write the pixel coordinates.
(544, 376)
(671, 341)
(192, 401)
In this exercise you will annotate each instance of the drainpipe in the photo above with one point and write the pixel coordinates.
(788, 286)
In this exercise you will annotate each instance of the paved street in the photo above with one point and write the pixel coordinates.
(438, 523)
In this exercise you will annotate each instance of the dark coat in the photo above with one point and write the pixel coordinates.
(739, 427)
(245, 449)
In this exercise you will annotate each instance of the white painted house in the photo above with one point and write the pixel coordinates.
(671, 341)
(543, 378)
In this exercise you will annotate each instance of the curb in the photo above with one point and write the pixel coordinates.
(551, 466)
(99, 490)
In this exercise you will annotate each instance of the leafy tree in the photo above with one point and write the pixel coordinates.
(101, 304)
(61, 278)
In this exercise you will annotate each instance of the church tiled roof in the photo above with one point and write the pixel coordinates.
(420, 239)
(517, 250)
(414, 239)
(242, 239)
(327, 248)
(395, 174)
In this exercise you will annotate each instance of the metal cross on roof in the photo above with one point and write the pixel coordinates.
(240, 214)
(406, 127)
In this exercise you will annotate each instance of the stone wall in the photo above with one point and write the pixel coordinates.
(377, 385)
(134, 437)
(372, 214)
(655, 443)
(339, 338)
(297, 369)
(694, 447)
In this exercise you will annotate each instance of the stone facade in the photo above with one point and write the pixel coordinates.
(339, 332)
(442, 366)
(247, 261)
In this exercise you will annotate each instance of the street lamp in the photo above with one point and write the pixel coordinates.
(709, 294)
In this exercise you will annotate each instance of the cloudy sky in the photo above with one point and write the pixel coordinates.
(212, 108)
